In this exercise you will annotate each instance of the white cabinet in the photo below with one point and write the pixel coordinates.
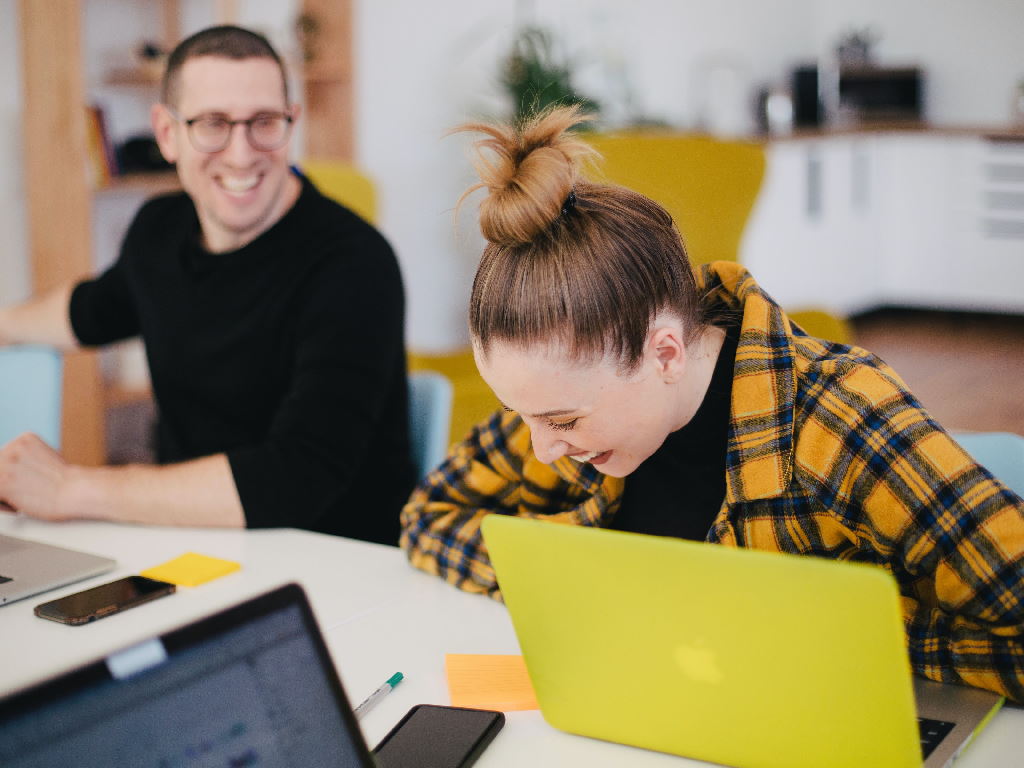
(915, 219)
(811, 241)
(990, 231)
(849, 223)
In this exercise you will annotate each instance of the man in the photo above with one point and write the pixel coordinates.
(273, 325)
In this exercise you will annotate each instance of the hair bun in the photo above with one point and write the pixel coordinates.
(529, 171)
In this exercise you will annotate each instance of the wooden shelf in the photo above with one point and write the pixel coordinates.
(135, 77)
(154, 183)
(116, 395)
(325, 72)
(328, 82)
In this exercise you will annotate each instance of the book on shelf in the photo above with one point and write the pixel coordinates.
(102, 159)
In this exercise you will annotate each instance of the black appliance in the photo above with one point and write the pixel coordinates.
(866, 94)
(808, 110)
(881, 93)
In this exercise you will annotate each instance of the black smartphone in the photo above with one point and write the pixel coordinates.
(434, 736)
(91, 604)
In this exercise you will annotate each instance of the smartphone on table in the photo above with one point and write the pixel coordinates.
(434, 736)
(104, 600)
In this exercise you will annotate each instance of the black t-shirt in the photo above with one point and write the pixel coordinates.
(287, 354)
(679, 489)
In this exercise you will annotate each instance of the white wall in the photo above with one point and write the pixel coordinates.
(972, 52)
(14, 267)
(661, 51)
(412, 86)
(424, 67)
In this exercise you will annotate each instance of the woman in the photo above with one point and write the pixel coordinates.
(641, 396)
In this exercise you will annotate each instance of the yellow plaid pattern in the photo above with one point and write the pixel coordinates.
(829, 455)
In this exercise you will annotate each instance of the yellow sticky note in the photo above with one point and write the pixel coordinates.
(489, 681)
(191, 569)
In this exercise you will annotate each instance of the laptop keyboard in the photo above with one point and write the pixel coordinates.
(932, 732)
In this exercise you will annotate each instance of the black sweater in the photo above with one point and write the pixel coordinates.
(287, 354)
(691, 458)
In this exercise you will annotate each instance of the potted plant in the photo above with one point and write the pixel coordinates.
(535, 79)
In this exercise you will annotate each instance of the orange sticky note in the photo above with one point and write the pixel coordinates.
(191, 569)
(489, 681)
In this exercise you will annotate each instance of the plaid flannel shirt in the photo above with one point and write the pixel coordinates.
(829, 454)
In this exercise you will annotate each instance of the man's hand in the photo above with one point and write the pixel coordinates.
(35, 481)
(41, 320)
(32, 476)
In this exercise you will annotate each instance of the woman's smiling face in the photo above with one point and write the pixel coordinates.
(589, 411)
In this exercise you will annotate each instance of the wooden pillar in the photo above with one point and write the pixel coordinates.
(59, 199)
(328, 81)
(170, 20)
(225, 11)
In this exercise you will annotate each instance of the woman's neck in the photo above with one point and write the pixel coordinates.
(701, 358)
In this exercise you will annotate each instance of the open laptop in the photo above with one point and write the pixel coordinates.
(30, 567)
(733, 656)
(251, 685)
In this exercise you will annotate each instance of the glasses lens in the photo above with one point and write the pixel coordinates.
(268, 132)
(210, 134)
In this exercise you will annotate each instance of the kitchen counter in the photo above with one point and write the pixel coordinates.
(994, 132)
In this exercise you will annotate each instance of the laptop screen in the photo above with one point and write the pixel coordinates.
(250, 686)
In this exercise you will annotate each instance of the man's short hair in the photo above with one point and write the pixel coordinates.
(226, 41)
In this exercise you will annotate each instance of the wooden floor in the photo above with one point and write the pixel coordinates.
(967, 369)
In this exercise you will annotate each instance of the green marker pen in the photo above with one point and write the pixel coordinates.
(369, 702)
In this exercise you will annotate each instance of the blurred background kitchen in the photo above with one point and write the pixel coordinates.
(864, 159)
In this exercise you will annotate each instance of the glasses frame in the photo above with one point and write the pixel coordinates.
(289, 119)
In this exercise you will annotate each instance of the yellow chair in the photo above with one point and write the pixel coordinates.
(345, 184)
(709, 187)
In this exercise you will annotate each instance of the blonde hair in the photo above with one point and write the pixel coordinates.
(583, 264)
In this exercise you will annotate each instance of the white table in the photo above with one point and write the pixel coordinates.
(378, 615)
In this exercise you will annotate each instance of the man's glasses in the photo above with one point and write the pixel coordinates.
(265, 131)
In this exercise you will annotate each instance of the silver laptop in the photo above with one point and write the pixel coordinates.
(949, 717)
(30, 567)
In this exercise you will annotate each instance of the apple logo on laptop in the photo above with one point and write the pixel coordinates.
(698, 662)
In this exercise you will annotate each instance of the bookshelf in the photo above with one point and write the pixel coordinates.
(117, 395)
(56, 150)
(328, 82)
(156, 183)
(132, 78)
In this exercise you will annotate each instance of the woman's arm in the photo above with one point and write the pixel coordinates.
(954, 538)
(492, 471)
(962, 550)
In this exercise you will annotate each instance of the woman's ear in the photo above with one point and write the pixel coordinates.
(666, 349)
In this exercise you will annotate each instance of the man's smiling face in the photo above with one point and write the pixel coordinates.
(239, 192)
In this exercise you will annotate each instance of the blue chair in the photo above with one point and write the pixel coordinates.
(1001, 453)
(30, 393)
(430, 412)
